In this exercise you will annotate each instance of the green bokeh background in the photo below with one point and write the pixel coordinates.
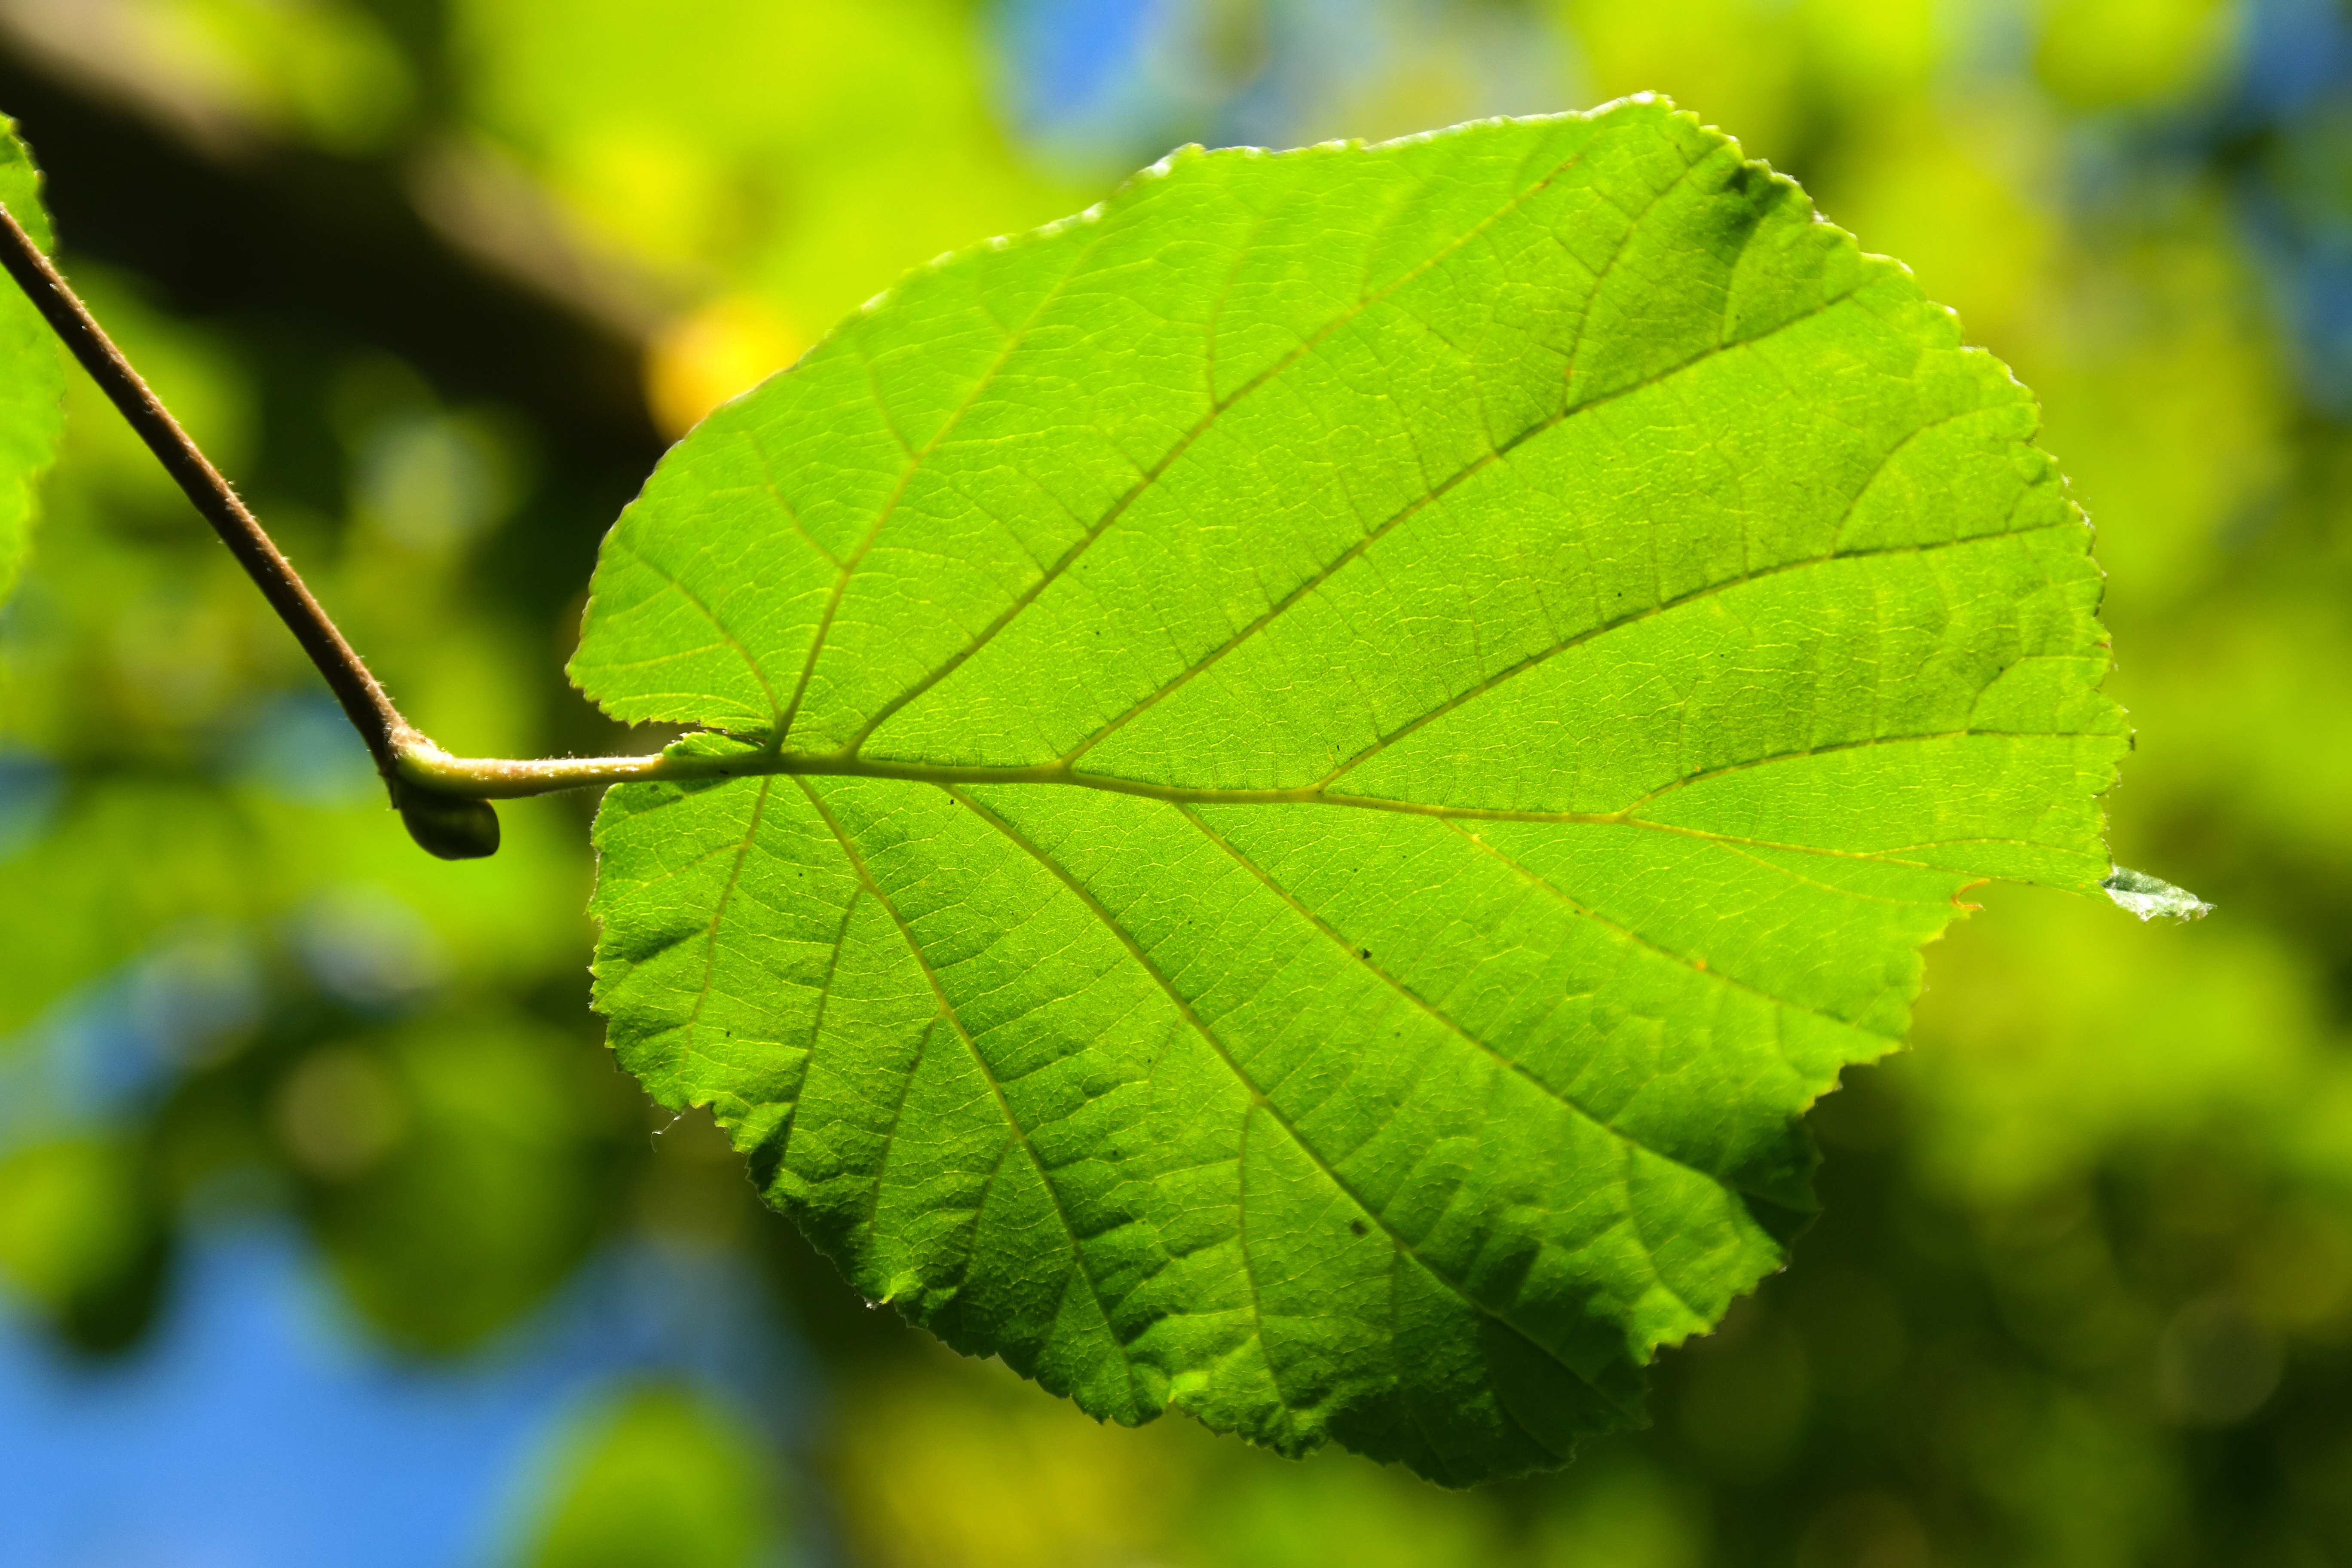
(435, 278)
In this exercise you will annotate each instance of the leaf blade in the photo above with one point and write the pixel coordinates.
(1367, 729)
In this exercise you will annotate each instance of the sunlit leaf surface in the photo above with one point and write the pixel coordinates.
(1343, 744)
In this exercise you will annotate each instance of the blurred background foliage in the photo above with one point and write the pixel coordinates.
(329, 1233)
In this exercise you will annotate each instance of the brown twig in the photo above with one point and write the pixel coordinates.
(449, 825)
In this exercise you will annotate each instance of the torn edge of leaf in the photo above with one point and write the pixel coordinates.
(2147, 898)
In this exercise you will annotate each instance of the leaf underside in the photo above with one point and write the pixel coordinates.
(1353, 736)
(32, 375)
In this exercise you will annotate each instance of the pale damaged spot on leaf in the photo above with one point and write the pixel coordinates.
(2147, 898)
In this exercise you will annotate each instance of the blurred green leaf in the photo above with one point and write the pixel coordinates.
(459, 1169)
(124, 862)
(658, 1478)
(80, 1235)
(32, 373)
(1368, 728)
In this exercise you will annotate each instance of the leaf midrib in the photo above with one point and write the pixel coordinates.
(770, 758)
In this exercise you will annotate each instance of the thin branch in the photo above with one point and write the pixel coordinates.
(444, 799)
(371, 710)
(449, 824)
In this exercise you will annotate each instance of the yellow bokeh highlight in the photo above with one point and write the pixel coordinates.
(707, 356)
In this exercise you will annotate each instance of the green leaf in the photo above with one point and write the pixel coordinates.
(457, 1171)
(657, 1477)
(82, 1236)
(32, 374)
(1343, 743)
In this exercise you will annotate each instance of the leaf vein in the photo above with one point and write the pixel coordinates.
(1274, 1113)
(616, 541)
(1559, 1096)
(1151, 474)
(1629, 934)
(988, 1074)
(1429, 497)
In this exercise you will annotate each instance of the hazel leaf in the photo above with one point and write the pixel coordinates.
(1332, 751)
